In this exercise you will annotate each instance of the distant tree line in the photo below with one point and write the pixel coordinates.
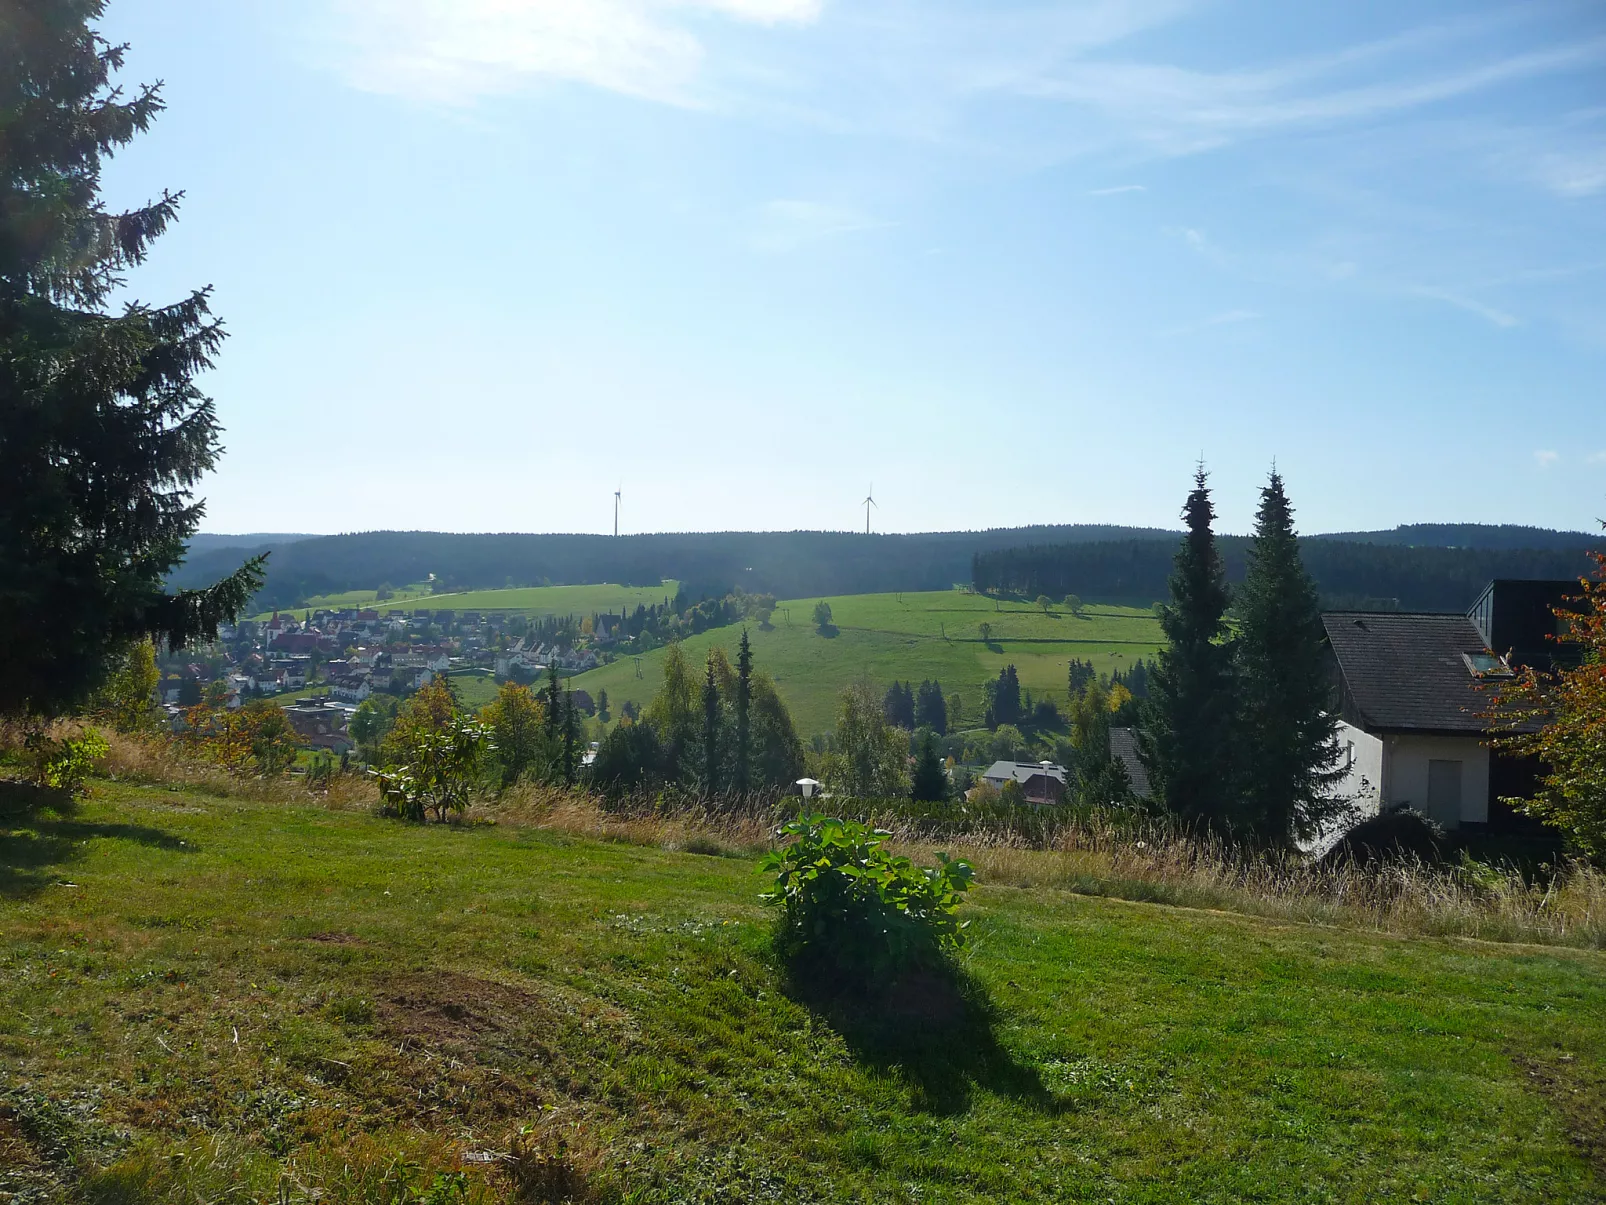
(720, 733)
(1134, 680)
(1111, 563)
(910, 707)
(1347, 574)
(710, 565)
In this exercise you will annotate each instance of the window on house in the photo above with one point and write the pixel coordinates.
(1486, 665)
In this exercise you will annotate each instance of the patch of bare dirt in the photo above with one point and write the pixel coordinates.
(336, 939)
(485, 1050)
(461, 1012)
(16, 1152)
(1578, 1093)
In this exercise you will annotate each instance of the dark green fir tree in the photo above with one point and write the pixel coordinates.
(930, 782)
(1288, 728)
(103, 433)
(1187, 740)
(744, 703)
(711, 718)
(554, 703)
(571, 740)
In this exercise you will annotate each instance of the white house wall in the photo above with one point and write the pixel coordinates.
(1361, 754)
(1405, 774)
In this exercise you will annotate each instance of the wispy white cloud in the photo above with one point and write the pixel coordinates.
(1564, 154)
(1228, 317)
(1581, 174)
(1116, 191)
(1225, 318)
(1177, 110)
(787, 225)
(1487, 312)
(1596, 457)
(458, 50)
(1201, 245)
(1545, 459)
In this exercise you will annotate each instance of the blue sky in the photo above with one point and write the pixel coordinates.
(483, 261)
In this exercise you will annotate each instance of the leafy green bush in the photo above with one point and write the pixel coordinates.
(849, 906)
(63, 763)
(440, 773)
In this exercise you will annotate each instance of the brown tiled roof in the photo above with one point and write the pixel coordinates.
(1405, 672)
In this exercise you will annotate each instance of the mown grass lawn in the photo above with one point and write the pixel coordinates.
(933, 634)
(314, 985)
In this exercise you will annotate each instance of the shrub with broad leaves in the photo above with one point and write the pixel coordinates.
(63, 763)
(850, 907)
(440, 771)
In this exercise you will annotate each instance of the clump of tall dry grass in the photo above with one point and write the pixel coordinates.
(159, 760)
(1567, 906)
(745, 827)
(1146, 862)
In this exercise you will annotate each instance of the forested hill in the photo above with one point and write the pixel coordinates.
(1129, 564)
(786, 564)
(1349, 573)
(1504, 536)
(208, 542)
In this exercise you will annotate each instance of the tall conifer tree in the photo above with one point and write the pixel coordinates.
(571, 740)
(1289, 734)
(929, 782)
(103, 434)
(554, 702)
(711, 731)
(744, 701)
(1187, 741)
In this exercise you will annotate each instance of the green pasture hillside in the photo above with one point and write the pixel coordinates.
(935, 634)
(205, 1000)
(550, 600)
(403, 597)
(535, 601)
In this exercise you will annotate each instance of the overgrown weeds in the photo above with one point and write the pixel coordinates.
(163, 762)
(1404, 896)
(1123, 857)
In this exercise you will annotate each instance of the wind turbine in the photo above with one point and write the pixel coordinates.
(868, 502)
(616, 508)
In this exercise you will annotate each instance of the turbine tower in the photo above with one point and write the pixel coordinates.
(616, 508)
(869, 501)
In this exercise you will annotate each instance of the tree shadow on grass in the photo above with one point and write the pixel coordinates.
(38, 837)
(933, 1027)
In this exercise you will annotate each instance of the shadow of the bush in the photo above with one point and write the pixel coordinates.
(935, 1027)
(38, 835)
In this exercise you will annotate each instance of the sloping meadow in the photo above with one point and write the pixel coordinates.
(202, 995)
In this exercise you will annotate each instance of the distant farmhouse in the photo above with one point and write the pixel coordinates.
(1410, 727)
(1041, 782)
